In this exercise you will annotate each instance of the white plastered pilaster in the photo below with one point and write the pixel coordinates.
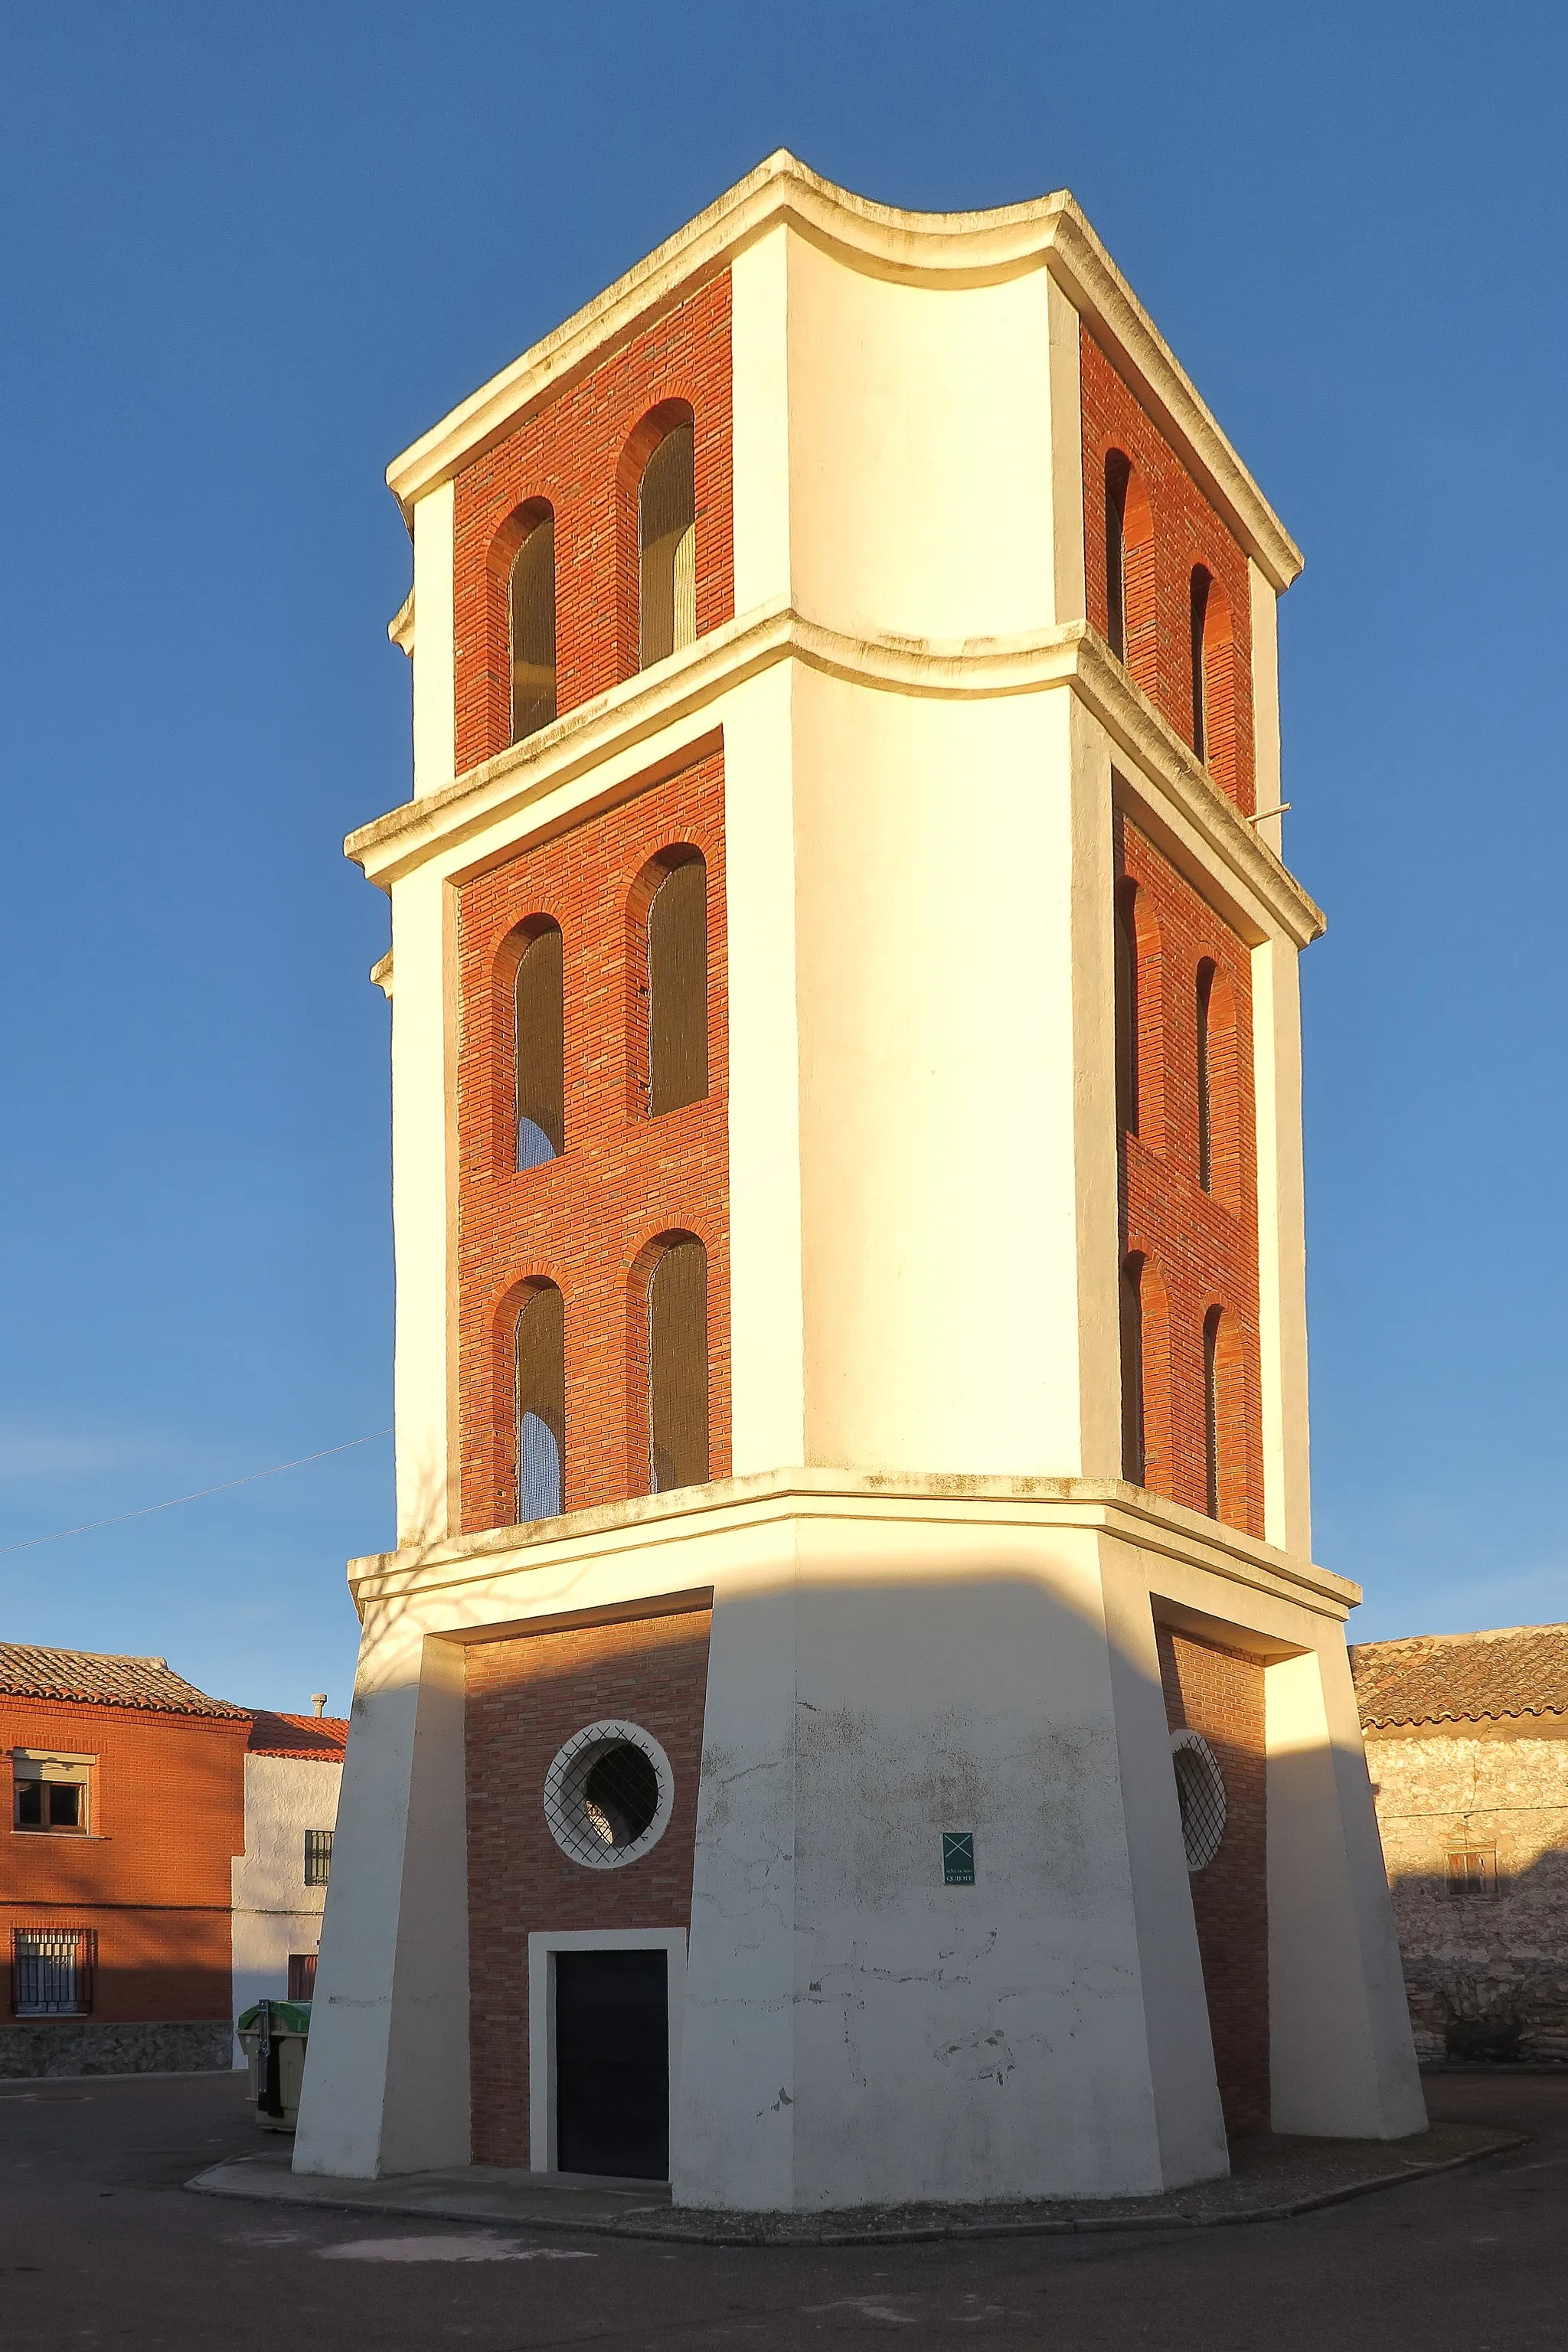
(1066, 457)
(435, 692)
(1281, 1246)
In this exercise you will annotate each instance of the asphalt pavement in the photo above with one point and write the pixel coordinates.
(100, 2243)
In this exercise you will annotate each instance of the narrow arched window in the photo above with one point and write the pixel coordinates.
(538, 1035)
(666, 548)
(1133, 1431)
(531, 611)
(540, 1402)
(1126, 1013)
(1212, 1321)
(678, 1367)
(1204, 1001)
(677, 987)
(1201, 582)
(1117, 474)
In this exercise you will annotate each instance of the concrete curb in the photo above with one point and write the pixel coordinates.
(207, 2184)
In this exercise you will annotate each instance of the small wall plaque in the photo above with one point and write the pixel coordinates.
(958, 1857)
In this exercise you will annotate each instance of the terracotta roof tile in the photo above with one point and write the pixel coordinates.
(323, 1736)
(89, 1678)
(1517, 1671)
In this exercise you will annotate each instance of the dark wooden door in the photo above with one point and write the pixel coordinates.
(612, 2063)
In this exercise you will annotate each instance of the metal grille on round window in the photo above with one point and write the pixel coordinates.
(609, 1794)
(1200, 1792)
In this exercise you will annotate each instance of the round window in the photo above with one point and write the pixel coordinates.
(1200, 1792)
(609, 1794)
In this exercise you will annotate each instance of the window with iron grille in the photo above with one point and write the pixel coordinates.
(1199, 1795)
(51, 1971)
(318, 1857)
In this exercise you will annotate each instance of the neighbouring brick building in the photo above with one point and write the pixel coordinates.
(127, 1804)
(166, 1862)
(1466, 1742)
(853, 1713)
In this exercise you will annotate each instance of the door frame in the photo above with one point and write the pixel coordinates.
(542, 1947)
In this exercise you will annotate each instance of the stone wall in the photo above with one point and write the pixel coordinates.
(1475, 1837)
(73, 2046)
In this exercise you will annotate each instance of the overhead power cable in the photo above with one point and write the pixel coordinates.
(147, 1510)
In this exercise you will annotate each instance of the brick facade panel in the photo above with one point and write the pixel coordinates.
(586, 1219)
(1219, 1695)
(1203, 1252)
(1187, 531)
(525, 1699)
(582, 454)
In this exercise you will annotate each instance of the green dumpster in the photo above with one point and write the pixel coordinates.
(272, 2035)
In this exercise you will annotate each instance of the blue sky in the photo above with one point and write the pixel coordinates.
(249, 253)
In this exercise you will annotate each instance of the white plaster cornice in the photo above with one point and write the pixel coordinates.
(685, 692)
(635, 1529)
(919, 248)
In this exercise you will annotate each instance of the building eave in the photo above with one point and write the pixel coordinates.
(915, 248)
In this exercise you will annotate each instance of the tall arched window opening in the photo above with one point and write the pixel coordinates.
(666, 548)
(1133, 1429)
(540, 1402)
(678, 1367)
(1117, 474)
(1211, 1411)
(1204, 998)
(539, 1042)
(1126, 1012)
(1199, 599)
(677, 987)
(531, 596)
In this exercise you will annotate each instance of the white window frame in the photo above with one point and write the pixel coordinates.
(542, 1947)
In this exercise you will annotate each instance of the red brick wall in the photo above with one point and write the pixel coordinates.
(1202, 1246)
(152, 1878)
(526, 1698)
(1219, 1693)
(587, 1220)
(1187, 531)
(582, 454)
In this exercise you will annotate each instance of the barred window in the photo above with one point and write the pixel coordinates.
(540, 1402)
(1126, 1010)
(1211, 1413)
(51, 1971)
(531, 612)
(677, 1366)
(1205, 1105)
(678, 986)
(667, 545)
(318, 1857)
(538, 1044)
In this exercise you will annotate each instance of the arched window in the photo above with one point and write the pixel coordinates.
(1212, 1437)
(678, 986)
(1130, 569)
(1132, 1430)
(1202, 583)
(540, 1402)
(537, 1034)
(666, 548)
(1126, 1012)
(1205, 995)
(1117, 472)
(530, 609)
(677, 1366)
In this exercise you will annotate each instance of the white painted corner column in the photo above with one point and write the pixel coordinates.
(386, 2079)
(1343, 2058)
